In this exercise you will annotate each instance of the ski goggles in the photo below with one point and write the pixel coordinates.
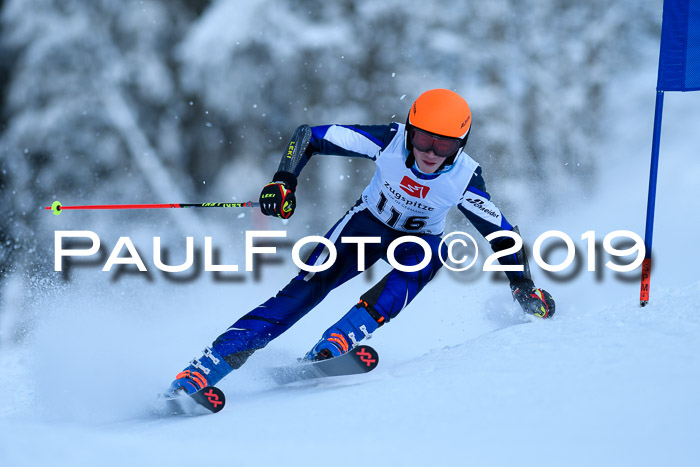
(442, 146)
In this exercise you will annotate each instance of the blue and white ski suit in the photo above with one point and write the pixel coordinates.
(400, 200)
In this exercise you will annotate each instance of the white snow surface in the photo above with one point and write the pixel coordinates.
(464, 379)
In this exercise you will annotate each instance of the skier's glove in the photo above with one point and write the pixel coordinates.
(533, 300)
(277, 198)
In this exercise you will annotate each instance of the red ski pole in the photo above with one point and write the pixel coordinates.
(57, 207)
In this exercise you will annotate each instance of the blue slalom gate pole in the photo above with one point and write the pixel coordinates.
(651, 200)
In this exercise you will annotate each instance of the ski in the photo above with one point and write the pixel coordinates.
(361, 359)
(210, 398)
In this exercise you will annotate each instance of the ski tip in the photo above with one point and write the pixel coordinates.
(211, 398)
(366, 356)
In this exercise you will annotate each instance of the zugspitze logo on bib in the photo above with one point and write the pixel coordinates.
(414, 189)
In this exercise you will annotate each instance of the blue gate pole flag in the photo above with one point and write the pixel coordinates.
(679, 70)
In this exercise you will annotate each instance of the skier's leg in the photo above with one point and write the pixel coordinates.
(266, 322)
(380, 303)
(254, 331)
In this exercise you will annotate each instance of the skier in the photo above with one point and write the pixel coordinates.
(421, 172)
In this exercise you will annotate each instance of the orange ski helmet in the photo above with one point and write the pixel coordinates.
(441, 112)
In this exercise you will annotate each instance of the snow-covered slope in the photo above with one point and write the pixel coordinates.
(611, 386)
(464, 379)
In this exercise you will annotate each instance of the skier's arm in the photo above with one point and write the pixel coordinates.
(487, 218)
(277, 197)
(335, 140)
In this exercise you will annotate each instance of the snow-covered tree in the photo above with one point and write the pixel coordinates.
(89, 113)
(143, 101)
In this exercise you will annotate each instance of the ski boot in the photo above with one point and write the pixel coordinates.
(343, 336)
(205, 371)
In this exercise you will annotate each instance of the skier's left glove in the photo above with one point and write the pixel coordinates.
(277, 198)
(533, 300)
